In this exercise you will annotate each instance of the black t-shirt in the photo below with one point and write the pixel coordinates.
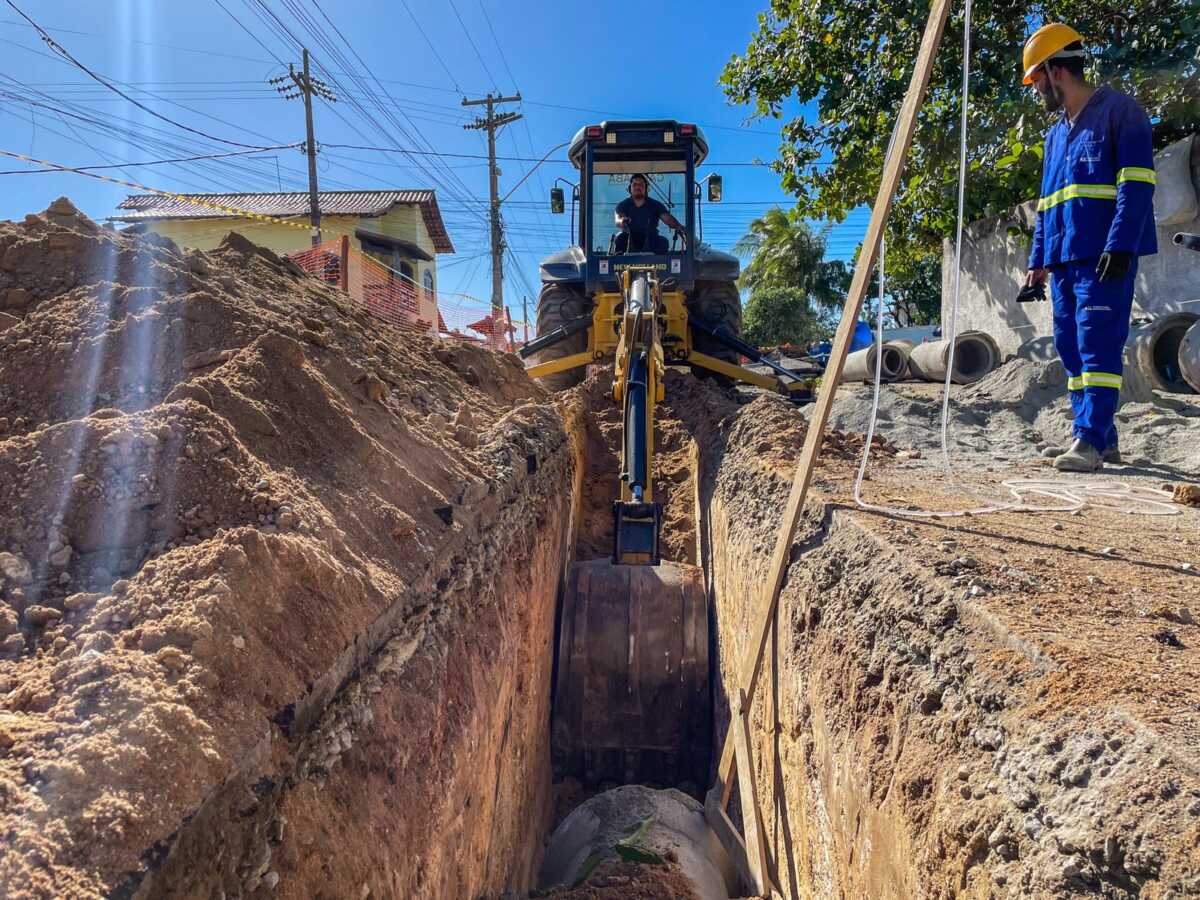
(643, 220)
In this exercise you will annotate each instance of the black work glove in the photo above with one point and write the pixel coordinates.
(1032, 292)
(1114, 265)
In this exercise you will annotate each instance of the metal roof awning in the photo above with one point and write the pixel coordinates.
(368, 204)
(408, 248)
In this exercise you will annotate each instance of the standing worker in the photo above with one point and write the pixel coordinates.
(1094, 219)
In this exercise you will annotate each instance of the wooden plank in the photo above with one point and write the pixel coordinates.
(727, 833)
(765, 611)
(756, 844)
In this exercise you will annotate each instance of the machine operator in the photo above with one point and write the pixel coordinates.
(638, 216)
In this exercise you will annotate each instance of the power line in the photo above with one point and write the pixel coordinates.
(253, 36)
(432, 48)
(413, 136)
(302, 85)
(430, 87)
(499, 46)
(144, 43)
(491, 123)
(154, 162)
(471, 40)
(132, 133)
(135, 134)
(62, 51)
(191, 198)
(751, 163)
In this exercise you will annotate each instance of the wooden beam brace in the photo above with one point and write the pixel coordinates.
(756, 839)
(764, 612)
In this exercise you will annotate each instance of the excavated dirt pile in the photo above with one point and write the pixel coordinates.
(278, 583)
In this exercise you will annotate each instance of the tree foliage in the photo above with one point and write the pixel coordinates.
(853, 61)
(784, 251)
(912, 292)
(781, 315)
(791, 284)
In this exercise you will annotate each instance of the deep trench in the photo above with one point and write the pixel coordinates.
(678, 475)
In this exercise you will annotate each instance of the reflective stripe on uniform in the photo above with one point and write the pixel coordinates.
(1075, 191)
(1100, 379)
(1137, 173)
(1074, 383)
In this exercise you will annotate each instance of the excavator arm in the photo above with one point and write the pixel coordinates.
(638, 387)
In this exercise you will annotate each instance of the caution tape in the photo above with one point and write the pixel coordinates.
(190, 198)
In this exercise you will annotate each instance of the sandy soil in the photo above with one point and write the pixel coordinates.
(628, 881)
(998, 705)
(1018, 411)
(252, 541)
(276, 581)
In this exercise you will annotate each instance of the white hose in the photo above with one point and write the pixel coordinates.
(1069, 496)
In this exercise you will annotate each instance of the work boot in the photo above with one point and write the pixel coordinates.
(1112, 455)
(1082, 457)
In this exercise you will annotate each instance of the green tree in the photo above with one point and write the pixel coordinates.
(849, 65)
(913, 292)
(781, 315)
(784, 251)
(792, 286)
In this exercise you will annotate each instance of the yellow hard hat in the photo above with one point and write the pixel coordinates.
(1047, 43)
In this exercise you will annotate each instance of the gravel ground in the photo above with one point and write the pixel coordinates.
(1017, 412)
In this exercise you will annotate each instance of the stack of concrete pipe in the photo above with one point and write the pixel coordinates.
(975, 355)
(1163, 355)
(1166, 353)
(1189, 357)
(860, 365)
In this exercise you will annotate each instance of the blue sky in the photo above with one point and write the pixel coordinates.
(195, 63)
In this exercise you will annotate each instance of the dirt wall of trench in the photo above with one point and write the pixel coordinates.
(277, 583)
(906, 733)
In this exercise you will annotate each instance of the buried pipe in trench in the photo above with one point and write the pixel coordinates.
(642, 824)
(975, 354)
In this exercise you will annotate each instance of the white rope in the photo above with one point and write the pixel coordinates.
(1065, 496)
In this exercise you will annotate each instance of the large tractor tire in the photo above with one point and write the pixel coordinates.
(557, 306)
(718, 305)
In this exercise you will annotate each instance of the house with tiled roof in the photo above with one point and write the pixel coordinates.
(403, 230)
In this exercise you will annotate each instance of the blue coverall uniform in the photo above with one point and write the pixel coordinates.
(1097, 197)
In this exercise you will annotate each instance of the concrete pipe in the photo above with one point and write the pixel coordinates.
(1153, 350)
(860, 365)
(975, 354)
(905, 347)
(635, 819)
(1189, 357)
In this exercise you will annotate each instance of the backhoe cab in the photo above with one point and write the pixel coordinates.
(579, 312)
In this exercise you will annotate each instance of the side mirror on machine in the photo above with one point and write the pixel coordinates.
(714, 188)
(557, 201)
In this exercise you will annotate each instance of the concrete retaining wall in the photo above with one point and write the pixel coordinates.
(996, 254)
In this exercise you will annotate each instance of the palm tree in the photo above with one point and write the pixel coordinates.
(785, 252)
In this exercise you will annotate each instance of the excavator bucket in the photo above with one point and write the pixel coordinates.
(631, 698)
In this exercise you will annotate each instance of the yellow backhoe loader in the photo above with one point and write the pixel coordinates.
(632, 697)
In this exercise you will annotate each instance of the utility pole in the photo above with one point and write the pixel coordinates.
(491, 124)
(302, 85)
